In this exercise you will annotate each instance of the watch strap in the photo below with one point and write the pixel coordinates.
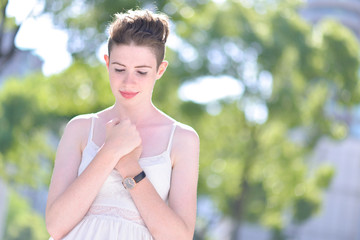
(139, 177)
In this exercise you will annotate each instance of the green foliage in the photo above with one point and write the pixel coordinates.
(324, 175)
(81, 88)
(22, 222)
(261, 170)
(304, 207)
(22, 140)
(34, 110)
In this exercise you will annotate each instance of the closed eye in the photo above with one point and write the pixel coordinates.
(142, 73)
(119, 70)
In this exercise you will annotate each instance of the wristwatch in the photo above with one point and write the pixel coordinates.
(129, 182)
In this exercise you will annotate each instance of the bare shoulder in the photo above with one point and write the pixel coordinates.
(185, 133)
(78, 128)
(81, 119)
(79, 123)
(186, 143)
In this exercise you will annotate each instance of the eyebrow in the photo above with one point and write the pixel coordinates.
(140, 66)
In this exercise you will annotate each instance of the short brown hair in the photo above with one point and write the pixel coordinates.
(142, 28)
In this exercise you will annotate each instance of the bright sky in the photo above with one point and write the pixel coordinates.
(40, 35)
(50, 43)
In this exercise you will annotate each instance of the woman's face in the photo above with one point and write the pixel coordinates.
(133, 73)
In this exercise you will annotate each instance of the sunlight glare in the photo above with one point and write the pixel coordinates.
(207, 89)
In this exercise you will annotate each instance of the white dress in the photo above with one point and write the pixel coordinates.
(113, 214)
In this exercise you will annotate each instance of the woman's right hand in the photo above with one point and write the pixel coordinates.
(122, 137)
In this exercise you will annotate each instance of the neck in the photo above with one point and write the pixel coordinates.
(138, 115)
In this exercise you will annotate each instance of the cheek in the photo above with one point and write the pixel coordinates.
(150, 81)
(113, 81)
(114, 78)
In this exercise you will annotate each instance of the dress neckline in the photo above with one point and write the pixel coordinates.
(166, 152)
(96, 147)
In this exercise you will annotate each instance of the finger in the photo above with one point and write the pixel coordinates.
(112, 122)
(126, 121)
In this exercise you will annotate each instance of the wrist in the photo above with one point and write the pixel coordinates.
(130, 182)
(129, 169)
(114, 153)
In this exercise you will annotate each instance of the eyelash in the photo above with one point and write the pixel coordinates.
(122, 70)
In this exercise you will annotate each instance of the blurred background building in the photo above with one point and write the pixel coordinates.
(339, 217)
(345, 11)
(3, 207)
(20, 63)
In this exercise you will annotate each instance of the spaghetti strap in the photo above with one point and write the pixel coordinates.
(91, 129)
(171, 138)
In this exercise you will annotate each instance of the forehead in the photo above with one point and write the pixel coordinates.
(133, 54)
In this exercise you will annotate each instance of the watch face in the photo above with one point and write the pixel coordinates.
(129, 183)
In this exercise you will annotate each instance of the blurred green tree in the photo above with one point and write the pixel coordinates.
(253, 166)
(23, 222)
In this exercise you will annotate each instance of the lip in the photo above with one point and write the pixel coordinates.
(128, 95)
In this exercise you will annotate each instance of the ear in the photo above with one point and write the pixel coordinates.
(161, 69)
(107, 59)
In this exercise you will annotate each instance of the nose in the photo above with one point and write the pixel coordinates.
(129, 79)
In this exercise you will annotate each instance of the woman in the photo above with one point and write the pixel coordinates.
(129, 171)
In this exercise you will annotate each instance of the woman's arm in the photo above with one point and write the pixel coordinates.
(176, 220)
(71, 196)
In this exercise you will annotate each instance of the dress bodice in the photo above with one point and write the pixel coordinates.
(113, 199)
